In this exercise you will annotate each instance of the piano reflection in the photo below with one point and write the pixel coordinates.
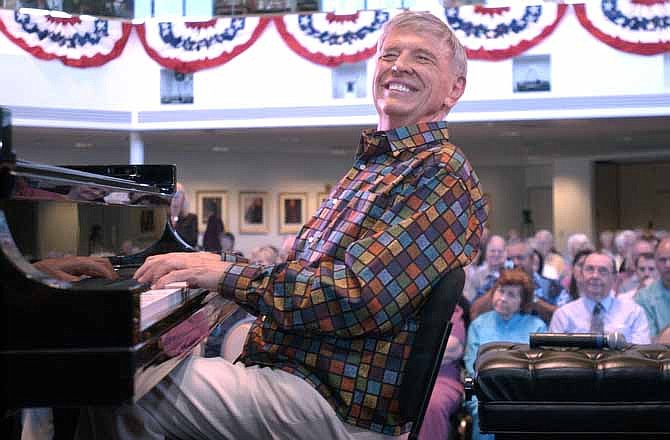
(90, 340)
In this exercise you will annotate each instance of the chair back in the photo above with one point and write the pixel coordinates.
(431, 341)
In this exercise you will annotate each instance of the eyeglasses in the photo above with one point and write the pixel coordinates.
(602, 271)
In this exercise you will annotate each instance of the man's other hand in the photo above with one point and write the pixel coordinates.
(75, 268)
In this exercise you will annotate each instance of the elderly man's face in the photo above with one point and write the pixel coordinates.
(520, 255)
(598, 276)
(421, 87)
(495, 253)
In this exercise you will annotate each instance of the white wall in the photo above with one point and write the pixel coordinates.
(269, 74)
(505, 186)
(573, 199)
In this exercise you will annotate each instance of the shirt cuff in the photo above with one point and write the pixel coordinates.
(236, 283)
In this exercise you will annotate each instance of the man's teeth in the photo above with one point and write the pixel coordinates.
(399, 87)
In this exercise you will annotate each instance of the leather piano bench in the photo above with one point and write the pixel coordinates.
(573, 392)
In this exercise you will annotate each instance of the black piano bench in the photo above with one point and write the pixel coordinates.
(573, 393)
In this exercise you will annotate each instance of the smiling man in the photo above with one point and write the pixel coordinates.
(337, 321)
(598, 310)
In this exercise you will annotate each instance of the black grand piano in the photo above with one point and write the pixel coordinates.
(92, 341)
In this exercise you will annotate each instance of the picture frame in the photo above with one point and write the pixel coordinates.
(211, 202)
(254, 211)
(292, 212)
(531, 73)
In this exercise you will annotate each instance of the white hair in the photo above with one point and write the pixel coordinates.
(623, 241)
(576, 243)
(426, 22)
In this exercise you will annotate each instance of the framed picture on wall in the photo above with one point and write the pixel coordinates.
(254, 209)
(292, 212)
(212, 203)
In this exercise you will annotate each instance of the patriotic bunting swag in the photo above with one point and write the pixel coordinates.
(191, 46)
(75, 41)
(329, 39)
(500, 33)
(636, 26)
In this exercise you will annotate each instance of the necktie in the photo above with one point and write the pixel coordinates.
(597, 319)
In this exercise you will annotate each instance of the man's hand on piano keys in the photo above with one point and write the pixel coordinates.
(197, 269)
(74, 268)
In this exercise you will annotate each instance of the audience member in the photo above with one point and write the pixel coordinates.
(211, 241)
(598, 310)
(606, 239)
(627, 279)
(448, 389)
(553, 262)
(510, 321)
(513, 235)
(576, 243)
(655, 299)
(548, 294)
(185, 223)
(622, 244)
(485, 276)
(645, 273)
(264, 255)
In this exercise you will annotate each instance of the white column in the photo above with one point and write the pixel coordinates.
(573, 200)
(136, 148)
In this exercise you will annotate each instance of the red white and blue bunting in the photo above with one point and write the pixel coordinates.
(191, 46)
(75, 41)
(330, 39)
(635, 26)
(499, 33)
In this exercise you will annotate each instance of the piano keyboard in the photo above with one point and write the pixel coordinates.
(158, 303)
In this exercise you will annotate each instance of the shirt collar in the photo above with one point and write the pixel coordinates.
(396, 140)
(606, 302)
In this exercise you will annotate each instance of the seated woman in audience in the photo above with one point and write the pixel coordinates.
(509, 321)
(446, 396)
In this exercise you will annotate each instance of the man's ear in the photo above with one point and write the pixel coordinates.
(457, 90)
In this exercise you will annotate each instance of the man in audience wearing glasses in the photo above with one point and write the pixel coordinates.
(599, 310)
(337, 321)
(655, 299)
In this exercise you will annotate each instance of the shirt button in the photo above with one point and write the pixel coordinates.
(362, 166)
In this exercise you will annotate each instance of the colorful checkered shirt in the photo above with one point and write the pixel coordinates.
(341, 312)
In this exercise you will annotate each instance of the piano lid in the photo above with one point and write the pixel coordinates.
(111, 210)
